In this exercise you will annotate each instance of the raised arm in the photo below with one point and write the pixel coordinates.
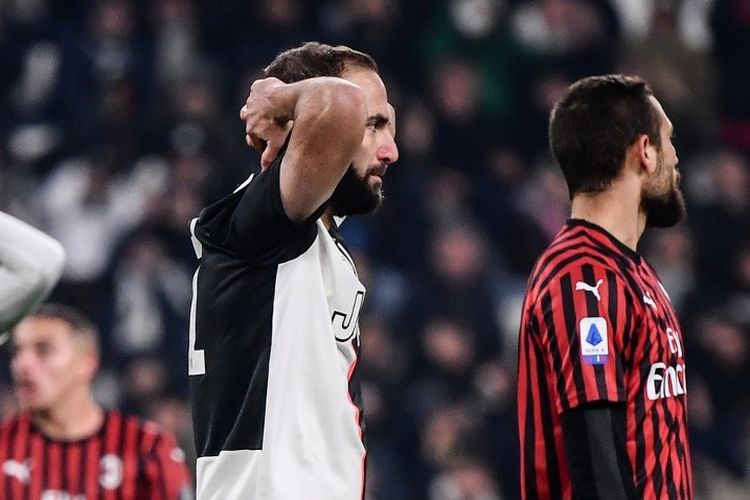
(326, 119)
(30, 264)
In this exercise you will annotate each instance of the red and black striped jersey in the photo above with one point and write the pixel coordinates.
(127, 459)
(597, 326)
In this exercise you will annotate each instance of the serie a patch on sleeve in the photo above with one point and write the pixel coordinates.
(594, 340)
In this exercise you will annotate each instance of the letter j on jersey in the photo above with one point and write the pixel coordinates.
(594, 340)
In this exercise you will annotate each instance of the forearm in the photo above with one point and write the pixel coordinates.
(329, 124)
(596, 452)
(30, 264)
(328, 97)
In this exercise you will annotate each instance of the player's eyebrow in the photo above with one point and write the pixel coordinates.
(379, 120)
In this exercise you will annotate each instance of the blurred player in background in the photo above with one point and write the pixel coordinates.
(601, 376)
(30, 265)
(274, 328)
(64, 445)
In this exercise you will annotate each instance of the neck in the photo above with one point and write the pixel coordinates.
(76, 417)
(327, 217)
(617, 210)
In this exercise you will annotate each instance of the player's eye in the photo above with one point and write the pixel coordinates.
(43, 349)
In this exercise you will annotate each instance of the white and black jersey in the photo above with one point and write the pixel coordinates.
(274, 342)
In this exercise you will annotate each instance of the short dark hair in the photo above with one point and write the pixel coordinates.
(314, 59)
(79, 324)
(594, 123)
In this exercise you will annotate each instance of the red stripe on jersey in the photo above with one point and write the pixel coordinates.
(54, 466)
(73, 465)
(146, 446)
(37, 471)
(92, 456)
(130, 462)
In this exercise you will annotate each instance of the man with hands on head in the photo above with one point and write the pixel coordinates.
(274, 335)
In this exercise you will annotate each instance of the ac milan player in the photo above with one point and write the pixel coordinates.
(64, 445)
(602, 390)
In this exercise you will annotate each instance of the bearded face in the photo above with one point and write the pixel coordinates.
(662, 200)
(355, 194)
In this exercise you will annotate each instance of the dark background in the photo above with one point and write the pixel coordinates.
(119, 121)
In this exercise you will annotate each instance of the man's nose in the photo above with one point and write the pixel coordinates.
(20, 363)
(388, 152)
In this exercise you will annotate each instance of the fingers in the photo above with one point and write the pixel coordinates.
(255, 142)
(270, 154)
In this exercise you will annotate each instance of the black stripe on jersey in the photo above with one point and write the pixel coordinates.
(613, 310)
(671, 487)
(592, 310)
(65, 456)
(551, 463)
(529, 471)
(569, 312)
(549, 319)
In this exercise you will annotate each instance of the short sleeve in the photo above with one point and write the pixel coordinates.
(251, 222)
(586, 320)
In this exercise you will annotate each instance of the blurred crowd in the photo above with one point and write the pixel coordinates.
(119, 122)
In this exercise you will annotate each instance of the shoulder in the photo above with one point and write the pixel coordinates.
(565, 260)
(10, 424)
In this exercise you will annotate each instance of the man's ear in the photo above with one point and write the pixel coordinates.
(88, 364)
(647, 154)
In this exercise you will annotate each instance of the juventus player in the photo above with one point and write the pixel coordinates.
(64, 445)
(30, 265)
(601, 375)
(274, 338)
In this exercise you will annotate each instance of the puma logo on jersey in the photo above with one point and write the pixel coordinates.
(648, 300)
(582, 285)
(19, 470)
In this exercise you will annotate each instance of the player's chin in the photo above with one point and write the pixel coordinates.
(375, 183)
(377, 195)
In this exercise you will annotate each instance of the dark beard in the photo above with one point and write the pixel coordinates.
(354, 196)
(663, 210)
